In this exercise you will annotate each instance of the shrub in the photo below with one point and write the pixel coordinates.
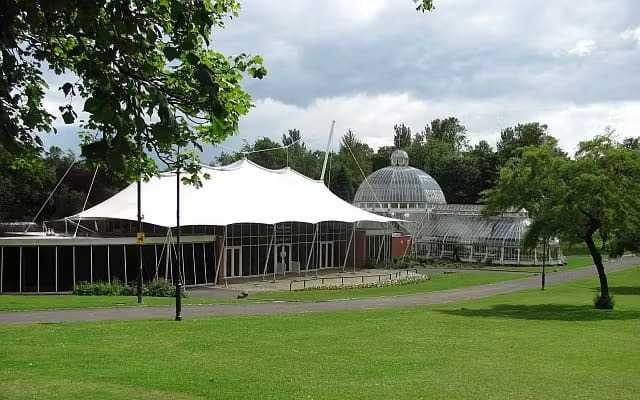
(155, 288)
(115, 288)
(160, 288)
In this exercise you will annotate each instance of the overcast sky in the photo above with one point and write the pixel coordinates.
(492, 63)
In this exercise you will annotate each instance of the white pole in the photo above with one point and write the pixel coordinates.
(221, 256)
(315, 232)
(108, 264)
(38, 270)
(155, 254)
(275, 252)
(1, 267)
(20, 270)
(354, 248)
(346, 254)
(193, 256)
(73, 257)
(326, 154)
(266, 261)
(91, 263)
(56, 265)
(124, 252)
(204, 261)
(184, 277)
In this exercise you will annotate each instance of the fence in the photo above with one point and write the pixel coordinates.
(354, 278)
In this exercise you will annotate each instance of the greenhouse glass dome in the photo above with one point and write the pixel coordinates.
(447, 231)
(399, 186)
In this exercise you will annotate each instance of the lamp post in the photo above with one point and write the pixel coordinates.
(544, 263)
(179, 252)
(140, 235)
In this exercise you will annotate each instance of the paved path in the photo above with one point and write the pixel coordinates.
(429, 298)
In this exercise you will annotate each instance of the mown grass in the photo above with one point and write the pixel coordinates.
(526, 345)
(438, 282)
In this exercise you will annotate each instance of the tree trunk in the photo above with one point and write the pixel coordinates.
(597, 260)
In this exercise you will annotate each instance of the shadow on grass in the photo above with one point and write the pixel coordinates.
(546, 312)
(625, 290)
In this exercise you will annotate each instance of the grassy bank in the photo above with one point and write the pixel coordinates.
(531, 344)
(438, 282)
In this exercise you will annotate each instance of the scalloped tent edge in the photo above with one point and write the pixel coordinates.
(241, 192)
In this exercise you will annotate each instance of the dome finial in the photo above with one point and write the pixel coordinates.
(399, 158)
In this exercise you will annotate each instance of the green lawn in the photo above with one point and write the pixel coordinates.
(578, 261)
(49, 302)
(528, 345)
(438, 282)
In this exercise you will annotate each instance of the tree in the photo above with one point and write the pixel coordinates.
(514, 139)
(145, 70)
(597, 193)
(401, 136)
(382, 157)
(355, 156)
(26, 184)
(632, 143)
(424, 5)
(449, 131)
(342, 184)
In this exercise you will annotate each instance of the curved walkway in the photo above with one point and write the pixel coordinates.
(419, 299)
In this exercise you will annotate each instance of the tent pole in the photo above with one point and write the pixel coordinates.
(193, 257)
(379, 250)
(108, 264)
(313, 241)
(56, 265)
(124, 253)
(1, 267)
(73, 258)
(221, 256)
(155, 254)
(346, 254)
(91, 263)
(388, 257)
(20, 270)
(266, 262)
(184, 276)
(38, 270)
(204, 261)
(275, 234)
(354, 248)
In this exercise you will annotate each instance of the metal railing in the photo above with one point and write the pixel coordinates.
(352, 278)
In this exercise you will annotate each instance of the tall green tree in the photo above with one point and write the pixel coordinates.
(401, 136)
(26, 185)
(355, 156)
(595, 194)
(342, 184)
(145, 70)
(449, 131)
(514, 139)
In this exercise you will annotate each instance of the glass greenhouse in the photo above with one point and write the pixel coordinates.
(448, 231)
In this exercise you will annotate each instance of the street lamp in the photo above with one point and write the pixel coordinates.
(544, 263)
(179, 252)
(140, 235)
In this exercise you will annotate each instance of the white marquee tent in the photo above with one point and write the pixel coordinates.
(242, 192)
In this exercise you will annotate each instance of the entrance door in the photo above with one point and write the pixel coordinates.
(326, 255)
(233, 261)
(282, 258)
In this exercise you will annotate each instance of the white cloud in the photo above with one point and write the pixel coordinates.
(583, 48)
(631, 35)
(372, 117)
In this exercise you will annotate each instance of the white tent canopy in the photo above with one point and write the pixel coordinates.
(242, 192)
